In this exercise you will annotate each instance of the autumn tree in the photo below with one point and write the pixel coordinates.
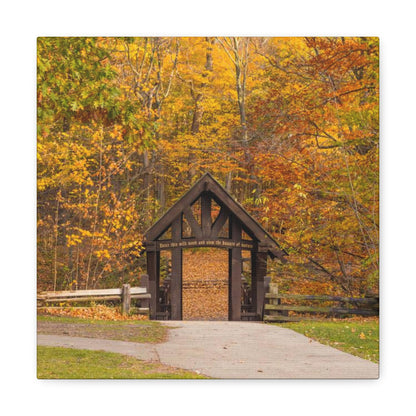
(323, 150)
(87, 217)
(288, 125)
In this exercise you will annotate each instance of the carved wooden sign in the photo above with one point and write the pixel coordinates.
(204, 243)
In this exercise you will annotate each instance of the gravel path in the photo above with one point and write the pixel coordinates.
(235, 350)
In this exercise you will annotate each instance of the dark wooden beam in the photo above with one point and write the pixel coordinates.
(206, 234)
(176, 274)
(144, 282)
(193, 223)
(223, 198)
(208, 185)
(238, 211)
(235, 273)
(219, 222)
(258, 273)
(153, 269)
(206, 221)
(164, 222)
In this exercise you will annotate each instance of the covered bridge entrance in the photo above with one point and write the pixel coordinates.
(208, 216)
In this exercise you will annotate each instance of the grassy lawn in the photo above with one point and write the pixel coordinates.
(360, 338)
(133, 331)
(67, 363)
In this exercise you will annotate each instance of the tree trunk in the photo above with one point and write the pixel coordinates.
(198, 99)
(147, 175)
(228, 180)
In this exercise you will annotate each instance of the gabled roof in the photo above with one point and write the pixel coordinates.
(207, 184)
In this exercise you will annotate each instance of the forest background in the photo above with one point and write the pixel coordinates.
(288, 125)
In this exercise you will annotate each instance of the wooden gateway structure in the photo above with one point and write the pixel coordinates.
(208, 216)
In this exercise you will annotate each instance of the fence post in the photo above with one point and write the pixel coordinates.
(274, 290)
(267, 284)
(125, 299)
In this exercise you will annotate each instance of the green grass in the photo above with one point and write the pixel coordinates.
(133, 331)
(356, 338)
(67, 363)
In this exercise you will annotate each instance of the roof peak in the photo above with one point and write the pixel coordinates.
(207, 183)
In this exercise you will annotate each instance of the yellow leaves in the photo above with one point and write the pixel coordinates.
(72, 240)
(82, 235)
(292, 196)
(116, 223)
(102, 254)
(98, 160)
(261, 200)
(133, 247)
(85, 233)
(96, 312)
(44, 183)
(362, 335)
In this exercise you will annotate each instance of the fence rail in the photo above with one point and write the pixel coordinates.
(124, 294)
(275, 311)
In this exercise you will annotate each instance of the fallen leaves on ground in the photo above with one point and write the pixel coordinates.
(99, 312)
(205, 285)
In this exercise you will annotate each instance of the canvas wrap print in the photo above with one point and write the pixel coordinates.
(208, 207)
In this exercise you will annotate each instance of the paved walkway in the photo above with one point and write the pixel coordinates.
(235, 350)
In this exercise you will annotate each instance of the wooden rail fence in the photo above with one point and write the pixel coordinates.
(276, 311)
(124, 294)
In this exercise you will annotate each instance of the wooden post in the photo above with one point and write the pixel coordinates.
(206, 221)
(254, 281)
(258, 273)
(144, 282)
(266, 284)
(176, 275)
(235, 268)
(274, 290)
(125, 299)
(153, 270)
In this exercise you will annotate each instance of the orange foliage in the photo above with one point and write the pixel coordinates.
(288, 125)
(98, 312)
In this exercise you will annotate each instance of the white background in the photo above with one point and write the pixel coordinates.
(22, 22)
